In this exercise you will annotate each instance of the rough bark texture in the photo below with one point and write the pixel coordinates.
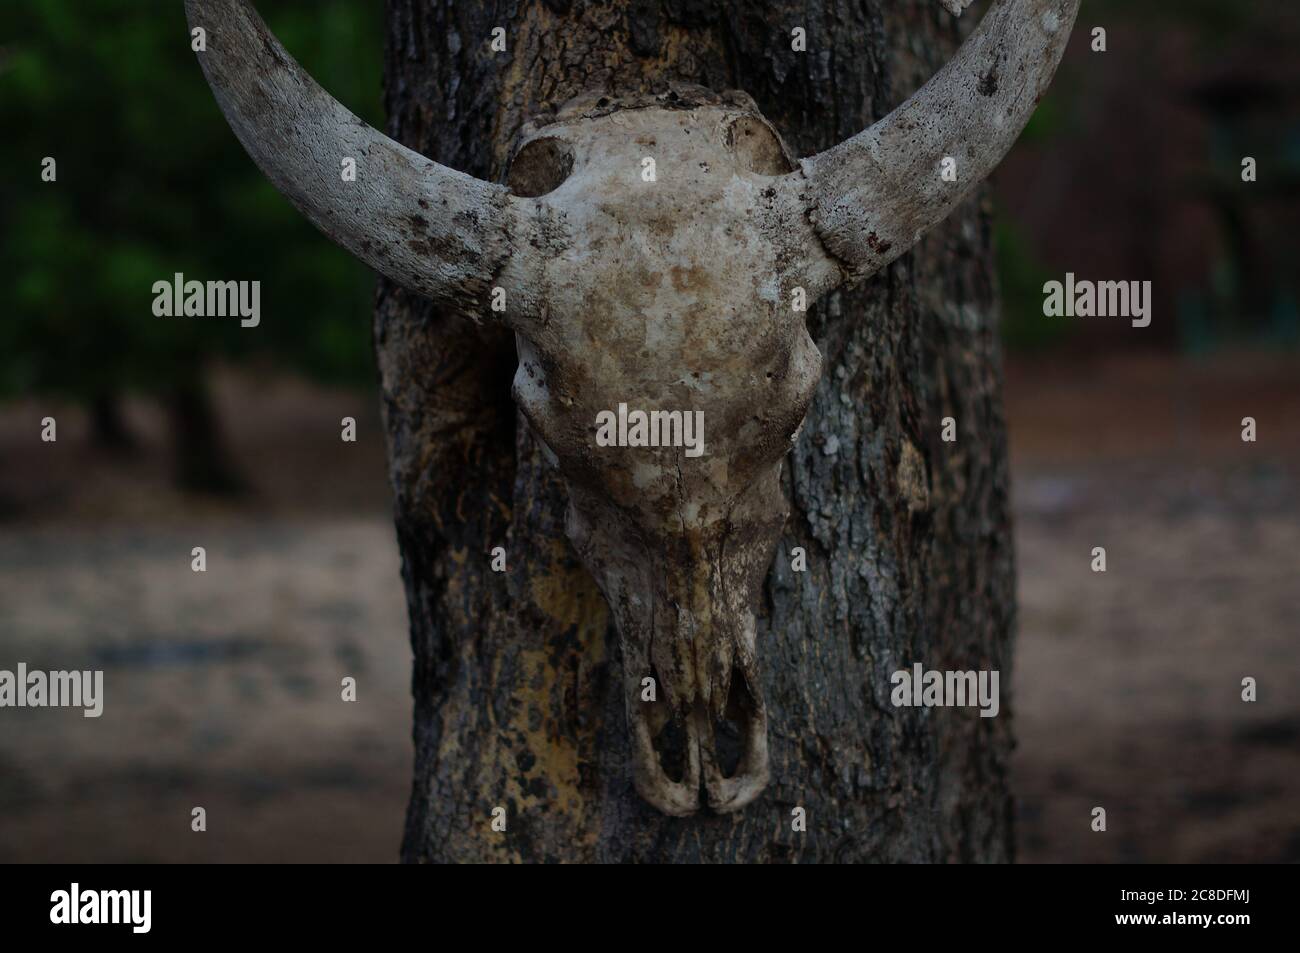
(516, 682)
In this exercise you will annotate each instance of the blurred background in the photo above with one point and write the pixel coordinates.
(222, 686)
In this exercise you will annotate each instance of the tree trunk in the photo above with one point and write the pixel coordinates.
(202, 461)
(108, 427)
(518, 703)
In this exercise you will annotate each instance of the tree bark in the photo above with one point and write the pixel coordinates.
(517, 697)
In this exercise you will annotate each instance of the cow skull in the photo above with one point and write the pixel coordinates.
(674, 293)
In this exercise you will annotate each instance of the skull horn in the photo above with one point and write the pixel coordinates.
(872, 197)
(435, 231)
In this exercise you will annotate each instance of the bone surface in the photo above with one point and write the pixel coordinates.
(653, 251)
(431, 229)
(876, 194)
(631, 304)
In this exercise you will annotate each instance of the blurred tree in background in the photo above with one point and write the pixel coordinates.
(152, 182)
(1132, 169)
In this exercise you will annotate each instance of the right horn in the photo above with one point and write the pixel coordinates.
(872, 197)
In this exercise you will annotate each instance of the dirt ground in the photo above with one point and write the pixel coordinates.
(1128, 682)
(222, 688)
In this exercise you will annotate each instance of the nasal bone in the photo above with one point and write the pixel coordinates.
(693, 729)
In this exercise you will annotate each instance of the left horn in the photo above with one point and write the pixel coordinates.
(872, 197)
(433, 230)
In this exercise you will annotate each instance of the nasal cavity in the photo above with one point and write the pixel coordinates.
(668, 733)
(731, 731)
(671, 744)
(541, 166)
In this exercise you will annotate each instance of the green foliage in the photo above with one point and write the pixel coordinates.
(151, 182)
(1021, 277)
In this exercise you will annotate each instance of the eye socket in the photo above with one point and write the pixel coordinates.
(539, 167)
(756, 147)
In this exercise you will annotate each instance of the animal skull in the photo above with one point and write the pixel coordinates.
(628, 306)
(675, 292)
